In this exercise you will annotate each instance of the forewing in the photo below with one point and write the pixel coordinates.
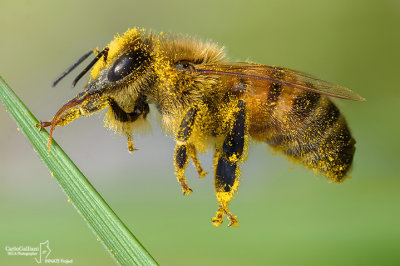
(284, 76)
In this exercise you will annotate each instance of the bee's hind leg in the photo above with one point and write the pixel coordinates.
(227, 171)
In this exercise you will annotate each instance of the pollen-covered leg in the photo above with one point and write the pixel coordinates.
(226, 184)
(87, 103)
(223, 210)
(87, 106)
(66, 118)
(122, 121)
(181, 161)
(181, 157)
(227, 171)
(196, 162)
(131, 147)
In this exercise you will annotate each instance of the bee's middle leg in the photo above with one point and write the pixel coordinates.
(196, 162)
(183, 149)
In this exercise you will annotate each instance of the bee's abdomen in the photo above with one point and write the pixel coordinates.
(311, 130)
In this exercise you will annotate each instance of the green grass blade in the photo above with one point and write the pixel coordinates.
(116, 237)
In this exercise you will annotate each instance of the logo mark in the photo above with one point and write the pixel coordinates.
(44, 250)
(39, 253)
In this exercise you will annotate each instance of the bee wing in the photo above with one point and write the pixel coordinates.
(284, 76)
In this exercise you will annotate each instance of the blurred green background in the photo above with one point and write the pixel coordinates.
(287, 215)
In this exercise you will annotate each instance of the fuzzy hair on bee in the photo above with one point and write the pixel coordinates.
(207, 102)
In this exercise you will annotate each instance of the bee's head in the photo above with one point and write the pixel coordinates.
(118, 73)
(124, 62)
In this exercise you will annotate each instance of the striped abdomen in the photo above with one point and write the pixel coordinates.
(305, 126)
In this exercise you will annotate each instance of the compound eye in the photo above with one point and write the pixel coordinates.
(127, 64)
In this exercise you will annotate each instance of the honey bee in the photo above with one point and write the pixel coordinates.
(206, 102)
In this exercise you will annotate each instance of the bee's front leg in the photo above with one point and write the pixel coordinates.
(181, 157)
(227, 171)
(122, 121)
(66, 118)
(67, 115)
(87, 104)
